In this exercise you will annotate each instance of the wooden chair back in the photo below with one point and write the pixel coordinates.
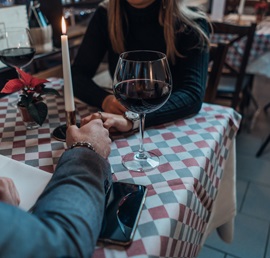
(217, 57)
(236, 33)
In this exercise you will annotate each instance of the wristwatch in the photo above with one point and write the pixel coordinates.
(134, 118)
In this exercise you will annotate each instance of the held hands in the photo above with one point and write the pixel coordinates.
(93, 132)
(113, 122)
(111, 105)
(8, 192)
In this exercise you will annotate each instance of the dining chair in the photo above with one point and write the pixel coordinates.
(263, 146)
(267, 140)
(231, 6)
(234, 85)
(217, 55)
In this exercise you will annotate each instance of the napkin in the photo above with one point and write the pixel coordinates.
(29, 181)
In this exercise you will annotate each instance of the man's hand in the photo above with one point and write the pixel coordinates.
(114, 123)
(93, 132)
(8, 192)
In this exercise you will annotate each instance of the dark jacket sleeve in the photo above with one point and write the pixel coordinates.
(90, 54)
(67, 217)
(189, 81)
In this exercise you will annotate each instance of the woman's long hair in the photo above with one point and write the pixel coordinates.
(171, 12)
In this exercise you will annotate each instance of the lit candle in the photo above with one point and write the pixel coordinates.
(241, 7)
(68, 88)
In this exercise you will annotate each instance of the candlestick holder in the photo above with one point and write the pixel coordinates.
(239, 19)
(59, 133)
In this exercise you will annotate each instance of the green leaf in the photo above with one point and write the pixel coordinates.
(38, 112)
(50, 91)
(25, 100)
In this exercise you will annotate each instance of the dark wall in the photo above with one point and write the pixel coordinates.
(6, 74)
(53, 10)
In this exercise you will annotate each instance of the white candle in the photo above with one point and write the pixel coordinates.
(217, 10)
(241, 7)
(68, 87)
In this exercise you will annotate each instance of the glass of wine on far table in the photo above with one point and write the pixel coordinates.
(16, 47)
(142, 83)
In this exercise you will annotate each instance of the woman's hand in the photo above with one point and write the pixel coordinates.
(111, 105)
(113, 122)
(93, 132)
(8, 191)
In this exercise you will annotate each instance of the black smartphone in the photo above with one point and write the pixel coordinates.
(124, 204)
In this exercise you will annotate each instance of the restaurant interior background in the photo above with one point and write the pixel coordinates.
(252, 225)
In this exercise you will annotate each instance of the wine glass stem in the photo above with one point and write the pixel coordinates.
(141, 153)
(19, 76)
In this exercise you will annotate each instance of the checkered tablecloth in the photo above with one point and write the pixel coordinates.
(260, 46)
(181, 191)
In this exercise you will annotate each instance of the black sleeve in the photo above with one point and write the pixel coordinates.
(90, 54)
(189, 81)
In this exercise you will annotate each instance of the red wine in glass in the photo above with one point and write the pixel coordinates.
(19, 57)
(142, 95)
(16, 48)
(142, 83)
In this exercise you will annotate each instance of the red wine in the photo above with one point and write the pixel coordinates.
(141, 95)
(17, 56)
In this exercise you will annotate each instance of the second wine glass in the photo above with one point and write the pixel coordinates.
(142, 83)
(16, 48)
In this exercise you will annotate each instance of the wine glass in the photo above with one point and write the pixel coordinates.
(142, 83)
(16, 47)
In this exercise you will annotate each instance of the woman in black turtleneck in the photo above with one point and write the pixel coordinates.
(123, 25)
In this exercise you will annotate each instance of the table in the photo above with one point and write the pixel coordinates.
(190, 194)
(260, 46)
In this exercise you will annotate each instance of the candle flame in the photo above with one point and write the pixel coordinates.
(64, 27)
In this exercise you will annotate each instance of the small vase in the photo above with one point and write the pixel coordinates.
(29, 123)
(259, 17)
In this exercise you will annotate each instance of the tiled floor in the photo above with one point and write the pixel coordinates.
(252, 223)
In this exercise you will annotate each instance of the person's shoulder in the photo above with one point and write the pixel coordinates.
(199, 17)
(100, 15)
(203, 23)
(192, 30)
(101, 9)
(202, 16)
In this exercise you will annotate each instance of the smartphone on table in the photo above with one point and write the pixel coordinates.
(124, 203)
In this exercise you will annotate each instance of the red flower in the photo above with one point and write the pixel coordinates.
(26, 82)
(261, 6)
(32, 89)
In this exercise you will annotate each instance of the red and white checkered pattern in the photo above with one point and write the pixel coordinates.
(261, 45)
(181, 191)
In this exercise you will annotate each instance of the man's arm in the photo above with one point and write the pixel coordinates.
(67, 217)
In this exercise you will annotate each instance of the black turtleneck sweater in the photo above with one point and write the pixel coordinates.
(143, 32)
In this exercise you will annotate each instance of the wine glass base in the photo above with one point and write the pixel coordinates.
(31, 125)
(15, 102)
(140, 163)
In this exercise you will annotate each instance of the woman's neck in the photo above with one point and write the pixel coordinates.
(140, 3)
